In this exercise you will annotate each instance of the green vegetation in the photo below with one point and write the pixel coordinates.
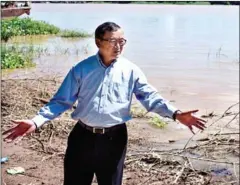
(72, 33)
(15, 57)
(19, 57)
(138, 112)
(158, 122)
(27, 26)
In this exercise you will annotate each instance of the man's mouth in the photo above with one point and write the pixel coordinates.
(117, 52)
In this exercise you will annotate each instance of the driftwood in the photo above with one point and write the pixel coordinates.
(158, 155)
(226, 113)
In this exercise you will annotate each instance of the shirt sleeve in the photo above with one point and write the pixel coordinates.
(150, 98)
(63, 100)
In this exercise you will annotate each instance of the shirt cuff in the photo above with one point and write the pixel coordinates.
(170, 111)
(39, 120)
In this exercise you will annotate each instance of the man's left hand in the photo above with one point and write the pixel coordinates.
(189, 119)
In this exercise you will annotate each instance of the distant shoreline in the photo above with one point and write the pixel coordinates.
(146, 2)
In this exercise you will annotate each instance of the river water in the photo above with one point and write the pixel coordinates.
(189, 53)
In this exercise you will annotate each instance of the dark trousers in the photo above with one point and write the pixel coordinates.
(88, 153)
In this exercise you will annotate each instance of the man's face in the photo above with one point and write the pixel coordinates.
(111, 45)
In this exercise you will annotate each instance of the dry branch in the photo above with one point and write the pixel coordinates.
(223, 115)
(180, 173)
(183, 156)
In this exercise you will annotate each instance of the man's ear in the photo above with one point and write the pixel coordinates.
(97, 41)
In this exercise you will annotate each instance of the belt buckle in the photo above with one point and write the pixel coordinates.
(98, 130)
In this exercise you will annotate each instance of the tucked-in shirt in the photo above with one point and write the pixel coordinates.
(103, 94)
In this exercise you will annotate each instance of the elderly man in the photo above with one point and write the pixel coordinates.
(103, 85)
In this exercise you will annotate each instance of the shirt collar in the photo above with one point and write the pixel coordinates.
(101, 62)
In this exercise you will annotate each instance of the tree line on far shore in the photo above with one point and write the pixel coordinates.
(148, 2)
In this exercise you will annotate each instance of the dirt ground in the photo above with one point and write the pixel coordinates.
(155, 156)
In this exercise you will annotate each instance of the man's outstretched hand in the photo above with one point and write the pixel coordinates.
(23, 128)
(189, 119)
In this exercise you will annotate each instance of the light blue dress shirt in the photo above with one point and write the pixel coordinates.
(104, 94)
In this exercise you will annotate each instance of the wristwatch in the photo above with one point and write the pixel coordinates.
(35, 124)
(175, 114)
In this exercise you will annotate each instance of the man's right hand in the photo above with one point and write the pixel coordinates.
(23, 128)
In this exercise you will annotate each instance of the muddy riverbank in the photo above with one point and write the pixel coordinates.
(155, 156)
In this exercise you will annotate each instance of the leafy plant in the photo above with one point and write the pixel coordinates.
(27, 26)
(13, 60)
(73, 33)
(158, 122)
(138, 112)
(13, 57)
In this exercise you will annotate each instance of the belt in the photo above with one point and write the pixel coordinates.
(100, 130)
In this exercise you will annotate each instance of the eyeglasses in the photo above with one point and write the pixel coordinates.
(113, 42)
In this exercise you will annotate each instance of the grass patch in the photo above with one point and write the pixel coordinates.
(19, 57)
(27, 26)
(16, 57)
(156, 121)
(72, 33)
(138, 112)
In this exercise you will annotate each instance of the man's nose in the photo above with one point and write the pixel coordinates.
(117, 45)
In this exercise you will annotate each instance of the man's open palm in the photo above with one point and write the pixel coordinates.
(23, 128)
(189, 119)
